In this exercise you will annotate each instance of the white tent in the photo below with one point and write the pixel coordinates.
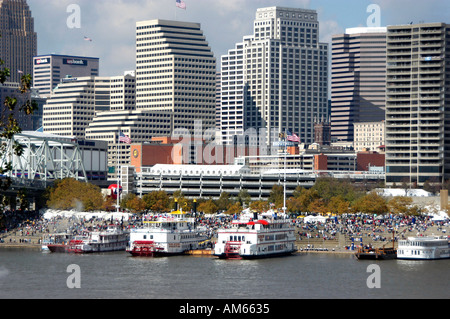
(315, 219)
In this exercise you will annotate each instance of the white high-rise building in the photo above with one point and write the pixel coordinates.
(176, 72)
(276, 78)
(74, 103)
(139, 125)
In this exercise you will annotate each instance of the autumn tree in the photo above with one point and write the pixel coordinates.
(179, 201)
(402, 205)
(304, 197)
(69, 193)
(338, 205)
(208, 207)
(157, 201)
(235, 208)
(259, 206)
(371, 203)
(317, 206)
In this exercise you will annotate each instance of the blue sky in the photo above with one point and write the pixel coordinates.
(111, 23)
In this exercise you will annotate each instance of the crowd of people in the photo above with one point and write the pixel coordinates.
(370, 227)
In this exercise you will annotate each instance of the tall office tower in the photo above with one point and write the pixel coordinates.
(218, 77)
(417, 103)
(123, 92)
(74, 103)
(49, 69)
(176, 71)
(276, 79)
(358, 85)
(139, 125)
(231, 110)
(18, 41)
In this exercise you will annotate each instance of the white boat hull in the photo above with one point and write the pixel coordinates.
(423, 248)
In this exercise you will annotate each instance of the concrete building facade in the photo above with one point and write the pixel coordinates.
(417, 103)
(176, 72)
(276, 78)
(49, 70)
(358, 82)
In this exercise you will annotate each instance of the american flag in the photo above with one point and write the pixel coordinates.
(181, 4)
(124, 138)
(292, 137)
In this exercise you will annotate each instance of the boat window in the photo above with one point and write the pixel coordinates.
(144, 237)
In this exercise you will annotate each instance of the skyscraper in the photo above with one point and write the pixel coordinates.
(18, 41)
(417, 103)
(50, 69)
(276, 78)
(358, 85)
(176, 71)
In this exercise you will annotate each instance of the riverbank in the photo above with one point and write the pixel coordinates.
(341, 235)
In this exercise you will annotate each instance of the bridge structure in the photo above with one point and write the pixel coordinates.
(44, 159)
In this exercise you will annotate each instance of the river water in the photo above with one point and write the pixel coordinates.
(30, 274)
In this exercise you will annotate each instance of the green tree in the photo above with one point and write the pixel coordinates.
(294, 205)
(9, 125)
(244, 198)
(328, 187)
(157, 201)
(276, 196)
(224, 201)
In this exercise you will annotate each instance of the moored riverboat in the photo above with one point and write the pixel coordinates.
(424, 248)
(55, 242)
(166, 235)
(112, 239)
(257, 237)
(376, 253)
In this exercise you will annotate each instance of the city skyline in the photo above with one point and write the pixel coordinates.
(111, 24)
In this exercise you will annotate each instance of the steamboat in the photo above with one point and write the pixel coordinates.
(424, 248)
(251, 238)
(166, 235)
(112, 239)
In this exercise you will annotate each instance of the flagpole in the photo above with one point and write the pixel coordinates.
(284, 186)
(118, 175)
